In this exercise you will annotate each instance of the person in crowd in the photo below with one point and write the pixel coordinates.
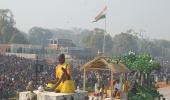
(125, 87)
(117, 89)
(97, 92)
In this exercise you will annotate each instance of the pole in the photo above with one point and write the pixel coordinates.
(111, 85)
(84, 81)
(36, 71)
(105, 30)
(104, 37)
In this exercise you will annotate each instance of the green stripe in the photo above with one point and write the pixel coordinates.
(101, 17)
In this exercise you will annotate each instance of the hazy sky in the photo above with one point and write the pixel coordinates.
(153, 16)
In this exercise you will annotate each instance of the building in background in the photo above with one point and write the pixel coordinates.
(49, 52)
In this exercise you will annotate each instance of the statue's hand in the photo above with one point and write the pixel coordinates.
(52, 89)
(49, 89)
(63, 69)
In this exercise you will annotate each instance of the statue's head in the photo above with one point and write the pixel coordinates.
(61, 58)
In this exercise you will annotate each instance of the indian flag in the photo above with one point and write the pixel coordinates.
(101, 15)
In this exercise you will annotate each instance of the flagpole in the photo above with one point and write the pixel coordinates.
(104, 42)
(105, 32)
(98, 17)
(104, 37)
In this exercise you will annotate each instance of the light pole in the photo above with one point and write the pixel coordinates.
(36, 70)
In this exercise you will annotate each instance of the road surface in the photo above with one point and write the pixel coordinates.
(166, 92)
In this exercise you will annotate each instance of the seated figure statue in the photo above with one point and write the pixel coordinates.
(63, 83)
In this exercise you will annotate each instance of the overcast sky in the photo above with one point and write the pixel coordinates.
(153, 16)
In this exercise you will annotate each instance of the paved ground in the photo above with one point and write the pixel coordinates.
(166, 92)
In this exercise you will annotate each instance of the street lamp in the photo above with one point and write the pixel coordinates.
(36, 70)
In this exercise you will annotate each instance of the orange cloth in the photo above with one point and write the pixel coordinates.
(59, 71)
(68, 85)
(126, 86)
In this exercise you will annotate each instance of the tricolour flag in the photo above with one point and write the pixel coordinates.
(101, 15)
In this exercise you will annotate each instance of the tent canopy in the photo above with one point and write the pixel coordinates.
(101, 63)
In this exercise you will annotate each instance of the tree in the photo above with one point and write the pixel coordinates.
(108, 45)
(157, 48)
(6, 20)
(80, 37)
(123, 43)
(163, 43)
(95, 40)
(141, 66)
(39, 36)
(8, 32)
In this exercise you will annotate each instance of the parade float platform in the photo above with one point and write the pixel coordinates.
(45, 95)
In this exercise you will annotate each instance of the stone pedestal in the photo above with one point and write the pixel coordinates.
(79, 95)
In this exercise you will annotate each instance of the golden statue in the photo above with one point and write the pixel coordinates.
(63, 83)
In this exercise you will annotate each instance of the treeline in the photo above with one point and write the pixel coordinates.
(122, 43)
(114, 46)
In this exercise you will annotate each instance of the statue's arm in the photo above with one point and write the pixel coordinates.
(58, 82)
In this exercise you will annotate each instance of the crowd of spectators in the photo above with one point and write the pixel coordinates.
(16, 72)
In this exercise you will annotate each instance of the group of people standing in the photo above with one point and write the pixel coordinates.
(119, 89)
